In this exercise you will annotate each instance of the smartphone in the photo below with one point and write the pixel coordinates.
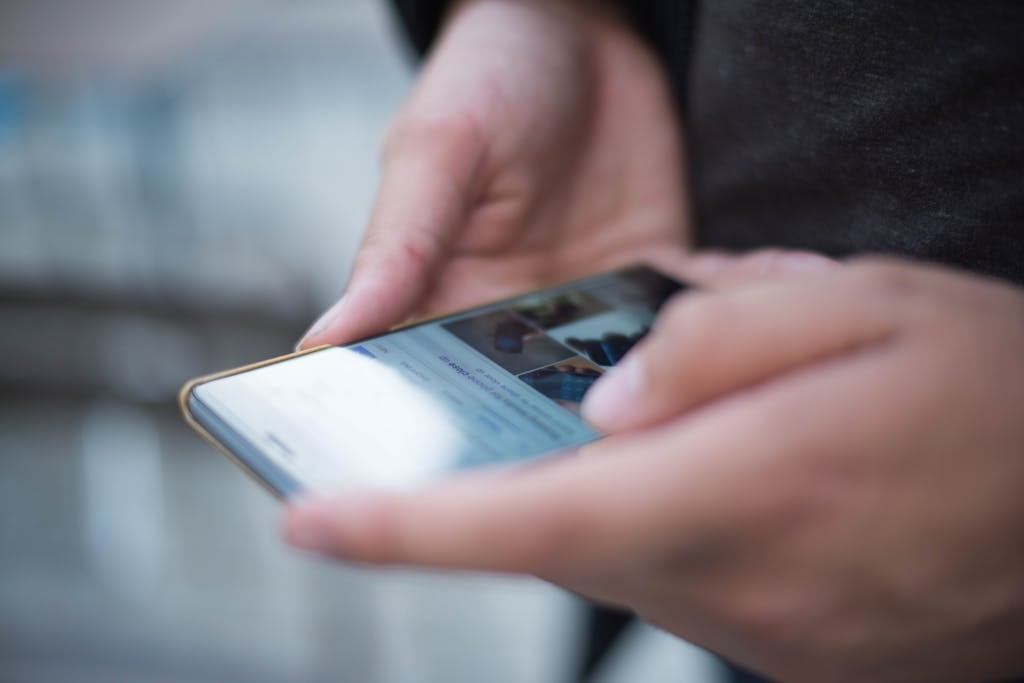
(494, 385)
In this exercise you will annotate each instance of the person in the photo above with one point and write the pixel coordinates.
(823, 479)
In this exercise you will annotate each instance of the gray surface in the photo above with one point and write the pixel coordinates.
(182, 186)
(133, 553)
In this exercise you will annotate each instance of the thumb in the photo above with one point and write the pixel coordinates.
(712, 343)
(427, 175)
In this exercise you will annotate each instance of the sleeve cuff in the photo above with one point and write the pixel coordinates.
(421, 20)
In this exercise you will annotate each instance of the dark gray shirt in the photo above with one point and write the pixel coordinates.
(845, 126)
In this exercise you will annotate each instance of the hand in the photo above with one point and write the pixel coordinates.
(818, 476)
(539, 145)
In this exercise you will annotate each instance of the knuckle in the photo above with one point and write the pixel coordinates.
(404, 244)
(413, 134)
(419, 252)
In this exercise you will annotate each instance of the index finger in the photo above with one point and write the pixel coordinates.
(621, 498)
(426, 181)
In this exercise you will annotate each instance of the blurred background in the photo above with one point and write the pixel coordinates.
(182, 187)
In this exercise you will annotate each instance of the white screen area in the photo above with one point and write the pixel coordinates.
(493, 386)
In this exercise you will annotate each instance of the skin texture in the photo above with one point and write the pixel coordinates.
(815, 469)
(538, 146)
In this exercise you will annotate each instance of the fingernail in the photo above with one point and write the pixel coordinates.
(612, 396)
(798, 262)
(323, 322)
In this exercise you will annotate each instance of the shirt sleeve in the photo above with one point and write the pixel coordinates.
(665, 24)
(421, 20)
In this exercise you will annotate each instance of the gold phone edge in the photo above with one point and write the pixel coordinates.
(191, 421)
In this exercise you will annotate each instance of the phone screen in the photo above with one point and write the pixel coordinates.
(494, 385)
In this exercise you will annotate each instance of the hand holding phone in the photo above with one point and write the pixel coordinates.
(554, 152)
